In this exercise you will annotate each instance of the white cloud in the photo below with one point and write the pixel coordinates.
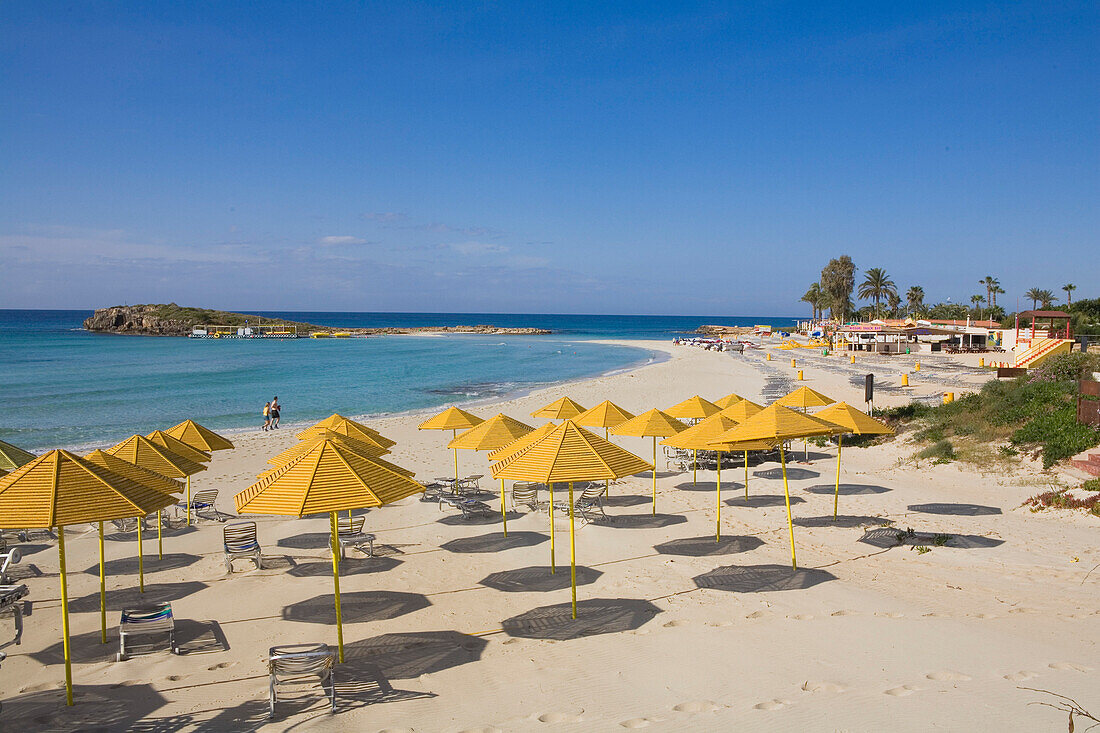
(341, 239)
(476, 248)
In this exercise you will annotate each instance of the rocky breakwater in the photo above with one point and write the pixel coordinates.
(724, 331)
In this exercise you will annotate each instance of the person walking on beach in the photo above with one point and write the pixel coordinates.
(267, 416)
(274, 413)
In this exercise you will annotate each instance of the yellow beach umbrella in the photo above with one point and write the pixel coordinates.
(560, 409)
(177, 446)
(568, 454)
(521, 443)
(729, 400)
(350, 428)
(329, 478)
(699, 437)
(776, 423)
(605, 415)
(140, 475)
(693, 408)
(804, 398)
(494, 433)
(141, 451)
(740, 412)
(650, 424)
(197, 436)
(12, 457)
(61, 488)
(853, 422)
(452, 419)
(360, 446)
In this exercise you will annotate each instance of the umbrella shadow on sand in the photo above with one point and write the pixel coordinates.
(594, 616)
(356, 607)
(887, 537)
(759, 578)
(97, 707)
(480, 518)
(847, 489)
(495, 542)
(129, 565)
(537, 579)
(307, 541)
(411, 654)
(707, 546)
(192, 637)
(131, 597)
(348, 566)
(793, 473)
(960, 510)
(761, 501)
(639, 521)
(843, 521)
(625, 500)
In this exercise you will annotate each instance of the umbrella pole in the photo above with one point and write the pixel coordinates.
(553, 567)
(454, 434)
(787, 495)
(160, 538)
(836, 496)
(718, 502)
(572, 552)
(65, 617)
(141, 561)
(503, 513)
(102, 591)
(746, 474)
(336, 585)
(607, 482)
(188, 501)
(694, 467)
(654, 474)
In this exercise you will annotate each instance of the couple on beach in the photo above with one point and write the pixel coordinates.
(271, 414)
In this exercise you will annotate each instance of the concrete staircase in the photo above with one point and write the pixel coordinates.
(1089, 461)
(1041, 350)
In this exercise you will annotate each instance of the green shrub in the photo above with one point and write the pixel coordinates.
(1091, 485)
(1065, 367)
(941, 452)
(905, 413)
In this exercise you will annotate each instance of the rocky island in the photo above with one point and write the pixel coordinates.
(174, 320)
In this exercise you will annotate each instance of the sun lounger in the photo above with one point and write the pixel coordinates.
(11, 601)
(432, 490)
(469, 485)
(524, 492)
(298, 664)
(239, 539)
(154, 620)
(9, 558)
(203, 501)
(349, 532)
(590, 499)
(469, 507)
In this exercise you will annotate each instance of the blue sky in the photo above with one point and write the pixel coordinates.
(677, 158)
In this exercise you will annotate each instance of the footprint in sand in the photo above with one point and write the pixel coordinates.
(560, 717)
(822, 687)
(397, 730)
(770, 705)
(757, 614)
(220, 665)
(174, 677)
(842, 612)
(1069, 667)
(482, 729)
(1020, 676)
(946, 675)
(635, 723)
(901, 691)
(674, 624)
(801, 617)
(889, 614)
(695, 706)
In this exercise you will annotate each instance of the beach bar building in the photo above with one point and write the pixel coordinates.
(266, 330)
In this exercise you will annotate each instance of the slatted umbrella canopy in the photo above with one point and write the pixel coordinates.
(61, 488)
(342, 440)
(804, 398)
(177, 446)
(494, 433)
(853, 422)
(519, 444)
(328, 478)
(698, 437)
(729, 400)
(197, 436)
(742, 410)
(141, 451)
(302, 446)
(567, 454)
(604, 415)
(650, 424)
(776, 423)
(693, 408)
(560, 409)
(350, 428)
(452, 419)
(12, 457)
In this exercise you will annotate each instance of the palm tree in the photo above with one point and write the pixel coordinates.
(892, 302)
(1069, 288)
(976, 300)
(915, 298)
(997, 290)
(992, 285)
(1046, 299)
(877, 285)
(815, 296)
(1034, 295)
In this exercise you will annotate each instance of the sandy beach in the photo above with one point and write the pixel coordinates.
(452, 627)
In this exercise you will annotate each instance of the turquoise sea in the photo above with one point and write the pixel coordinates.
(63, 386)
